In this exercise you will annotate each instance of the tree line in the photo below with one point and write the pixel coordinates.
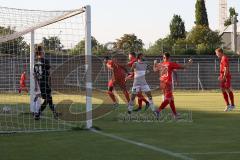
(198, 41)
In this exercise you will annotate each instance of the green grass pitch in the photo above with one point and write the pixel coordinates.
(212, 134)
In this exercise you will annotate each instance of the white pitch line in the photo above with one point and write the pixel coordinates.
(211, 153)
(143, 145)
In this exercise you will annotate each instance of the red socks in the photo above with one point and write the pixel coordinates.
(172, 105)
(225, 96)
(231, 96)
(126, 94)
(112, 96)
(165, 103)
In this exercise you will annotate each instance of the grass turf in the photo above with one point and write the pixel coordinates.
(213, 134)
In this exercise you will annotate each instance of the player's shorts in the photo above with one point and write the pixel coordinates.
(23, 84)
(45, 91)
(167, 90)
(226, 84)
(140, 88)
(113, 83)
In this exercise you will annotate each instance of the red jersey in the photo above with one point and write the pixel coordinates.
(23, 78)
(132, 61)
(166, 69)
(117, 69)
(224, 64)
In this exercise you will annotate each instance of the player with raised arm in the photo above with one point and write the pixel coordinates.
(118, 78)
(225, 79)
(139, 83)
(166, 69)
(42, 75)
(132, 59)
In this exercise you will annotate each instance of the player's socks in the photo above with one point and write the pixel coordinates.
(231, 96)
(130, 106)
(126, 94)
(112, 96)
(172, 105)
(163, 105)
(140, 96)
(225, 96)
(140, 103)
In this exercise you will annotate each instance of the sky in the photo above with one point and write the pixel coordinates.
(148, 19)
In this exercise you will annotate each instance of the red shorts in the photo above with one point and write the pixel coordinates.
(167, 90)
(22, 85)
(226, 84)
(121, 84)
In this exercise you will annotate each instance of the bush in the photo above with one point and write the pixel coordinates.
(203, 49)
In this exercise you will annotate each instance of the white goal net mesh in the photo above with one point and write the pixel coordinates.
(62, 35)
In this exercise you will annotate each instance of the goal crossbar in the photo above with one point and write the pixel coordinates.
(15, 35)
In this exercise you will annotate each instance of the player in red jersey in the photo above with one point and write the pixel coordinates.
(23, 86)
(225, 79)
(132, 59)
(118, 78)
(166, 69)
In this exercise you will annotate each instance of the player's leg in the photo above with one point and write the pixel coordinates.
(141, 99)
(44, 97)
(225, 95)
(230, 93)
(231, 96)
(135, 90)
(123, 87)
(110, 92)
(146, 89)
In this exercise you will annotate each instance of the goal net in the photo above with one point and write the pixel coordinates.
(66, 39)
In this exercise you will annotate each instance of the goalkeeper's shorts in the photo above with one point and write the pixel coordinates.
(226, 84)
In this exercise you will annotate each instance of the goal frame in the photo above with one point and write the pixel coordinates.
(88, 57)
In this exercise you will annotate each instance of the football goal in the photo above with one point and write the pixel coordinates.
(65, 37)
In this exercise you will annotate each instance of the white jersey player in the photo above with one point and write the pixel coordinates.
(140, 84)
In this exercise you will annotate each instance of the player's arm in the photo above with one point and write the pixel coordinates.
(183, 66)
(131, 75)
(175, 76)
(225, 73)
(35, 82)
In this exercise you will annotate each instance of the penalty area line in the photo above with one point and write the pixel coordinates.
(143, 145)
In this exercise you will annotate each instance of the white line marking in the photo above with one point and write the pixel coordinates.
(143, 145)
(211, 153)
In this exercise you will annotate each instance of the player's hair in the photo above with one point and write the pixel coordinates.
(139, 55)
(167, 55)
(133, 54)
(219, 50)
(106, 58)
(39, 50)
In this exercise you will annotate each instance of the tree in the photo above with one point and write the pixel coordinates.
(232, 13)
(129, 43)
(204, 39)
(52, 44)
(97, 48)
(15, 46)
(201, 17)
(161, 45)
(177, 28)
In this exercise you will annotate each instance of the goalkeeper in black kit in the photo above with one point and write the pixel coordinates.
(42, 77)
